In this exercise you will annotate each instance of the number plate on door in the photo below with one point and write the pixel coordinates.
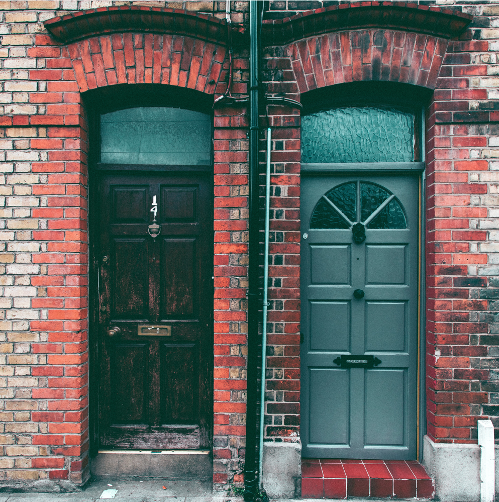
(150, 330)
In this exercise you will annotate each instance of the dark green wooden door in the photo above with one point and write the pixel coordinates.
(359, 306)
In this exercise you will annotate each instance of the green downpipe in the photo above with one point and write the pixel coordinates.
(265, 303)
(251, 481)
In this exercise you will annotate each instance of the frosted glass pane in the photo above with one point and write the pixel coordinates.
(391, 216)
(156, 135)
(357, 135)
(371, 197)
(324, 216)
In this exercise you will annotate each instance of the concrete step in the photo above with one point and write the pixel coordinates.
(164, 464)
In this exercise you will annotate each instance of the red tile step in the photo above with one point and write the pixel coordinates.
(341, 479)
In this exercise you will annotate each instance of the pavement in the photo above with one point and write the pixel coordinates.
(147, 490)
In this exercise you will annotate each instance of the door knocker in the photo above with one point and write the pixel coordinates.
(154, 229)
(359, 233)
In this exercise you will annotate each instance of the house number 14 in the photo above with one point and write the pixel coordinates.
(154, 229)
(154, 208)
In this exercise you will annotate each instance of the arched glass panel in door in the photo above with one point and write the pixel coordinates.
(338, 208)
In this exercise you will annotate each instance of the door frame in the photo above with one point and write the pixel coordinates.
(95, 105)
(417, 168)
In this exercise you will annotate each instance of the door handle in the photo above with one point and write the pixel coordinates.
(358, 294)
(113, 331)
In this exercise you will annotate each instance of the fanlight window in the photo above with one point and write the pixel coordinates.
(355, 202)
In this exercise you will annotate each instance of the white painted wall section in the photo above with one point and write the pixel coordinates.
(487, 460)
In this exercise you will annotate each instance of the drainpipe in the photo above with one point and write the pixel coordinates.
(265, 304)
(251, 482)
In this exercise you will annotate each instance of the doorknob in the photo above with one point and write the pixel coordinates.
(113, 331)
(358, 294)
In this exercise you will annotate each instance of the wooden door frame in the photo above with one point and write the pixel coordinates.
(94, 109)
(417, 168)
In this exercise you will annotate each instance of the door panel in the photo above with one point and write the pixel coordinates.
(329, 326)
(130, 393)
(328, 387)
(379, 315)
(339, 255)
(386, 264)
(130, 274)
(357, 411)
(180, 381)
(156, 302)
(386, 395)
(178, 284)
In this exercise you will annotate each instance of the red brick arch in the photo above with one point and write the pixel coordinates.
(363, 55)
(137, 58)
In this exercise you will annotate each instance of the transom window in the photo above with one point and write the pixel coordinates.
(156, 135)
(358, 134)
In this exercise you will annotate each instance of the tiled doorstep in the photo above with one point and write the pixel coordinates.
(339, 479)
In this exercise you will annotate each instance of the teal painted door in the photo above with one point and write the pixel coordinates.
(359, 306)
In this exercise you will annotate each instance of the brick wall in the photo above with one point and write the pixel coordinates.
(461, 198)
(462, 128)
(283, 328)
(44, 338)
(43, 248)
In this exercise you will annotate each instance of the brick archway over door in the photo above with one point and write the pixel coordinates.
(358, 56)
(136, 58)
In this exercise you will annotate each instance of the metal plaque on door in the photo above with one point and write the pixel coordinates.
(154, 330)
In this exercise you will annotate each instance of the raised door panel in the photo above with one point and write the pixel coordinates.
(129, 380)
(328, 418)
(329, 326)
(180, 384)
(179, 204)
(386, 407)
(386, 326)
(179, 277)
(129, 204)
(386, 264)
(130, 279)
(330, 264)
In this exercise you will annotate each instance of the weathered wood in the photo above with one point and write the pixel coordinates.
(155, 392)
